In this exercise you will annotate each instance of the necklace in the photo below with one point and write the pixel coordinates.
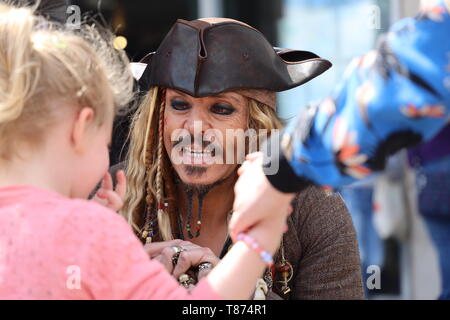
(227, 242)
(285, 270)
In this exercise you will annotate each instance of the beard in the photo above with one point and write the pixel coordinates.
(195, 190)
(199, 189)
(194, 171)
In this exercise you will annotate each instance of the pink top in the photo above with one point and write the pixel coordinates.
(52, 247)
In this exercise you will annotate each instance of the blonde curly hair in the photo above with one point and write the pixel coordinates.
(42, 61)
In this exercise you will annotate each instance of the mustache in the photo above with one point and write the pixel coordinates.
(187, 139)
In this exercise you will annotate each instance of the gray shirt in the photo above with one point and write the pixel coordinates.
(321, 245)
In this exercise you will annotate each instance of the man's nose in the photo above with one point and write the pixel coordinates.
(197, 121)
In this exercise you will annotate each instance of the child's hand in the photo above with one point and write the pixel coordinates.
(106, 196)
(256, 200)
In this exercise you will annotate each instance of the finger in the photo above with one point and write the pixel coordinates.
(168, 254)
(253, 156)
(248, 164)
(239, 210)
(100, 194)
(188, 259)
(238, 201)
(155, 248)
(99, 200)
(189, 245)
(121, 187)
(240, 222)
(233, 236)
(243, 168)
(165, 262)
(107, 182)
(183, 264)
(114, 201)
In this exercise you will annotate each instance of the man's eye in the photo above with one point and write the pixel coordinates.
(222, 109)
(179, 105)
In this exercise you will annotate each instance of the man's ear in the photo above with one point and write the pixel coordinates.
(79, 134)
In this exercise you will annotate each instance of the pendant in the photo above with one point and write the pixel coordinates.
(286, 273)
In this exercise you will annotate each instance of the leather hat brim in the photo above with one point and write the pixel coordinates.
(302, 66)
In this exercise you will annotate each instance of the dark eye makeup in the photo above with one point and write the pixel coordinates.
(179, 105)
(220, 108)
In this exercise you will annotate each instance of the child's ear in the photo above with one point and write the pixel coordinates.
(79, 136)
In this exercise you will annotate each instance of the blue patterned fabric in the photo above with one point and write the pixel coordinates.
(393, 97)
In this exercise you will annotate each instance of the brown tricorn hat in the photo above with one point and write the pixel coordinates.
(209, 56)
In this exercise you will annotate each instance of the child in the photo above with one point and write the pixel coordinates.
(58, 92)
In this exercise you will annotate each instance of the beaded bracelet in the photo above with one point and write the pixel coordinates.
(249, 241)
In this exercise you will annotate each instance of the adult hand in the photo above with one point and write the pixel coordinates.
(191, 255)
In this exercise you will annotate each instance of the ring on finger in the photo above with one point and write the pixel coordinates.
(205, 266)
(177, 250)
